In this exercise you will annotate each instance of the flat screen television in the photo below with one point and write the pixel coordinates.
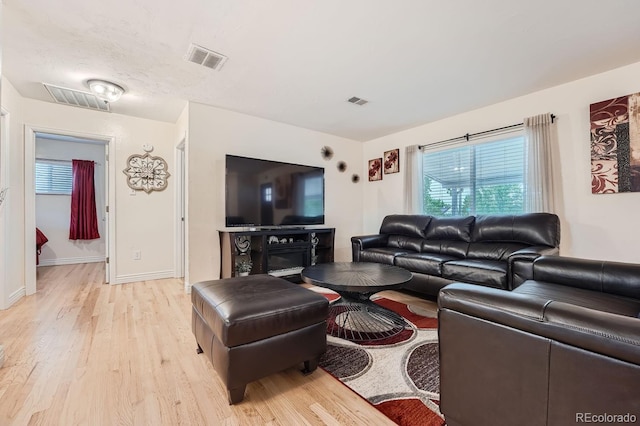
(263, 193)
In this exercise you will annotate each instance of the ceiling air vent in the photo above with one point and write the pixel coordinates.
(205, 57)
(76, 98)
(357, 101)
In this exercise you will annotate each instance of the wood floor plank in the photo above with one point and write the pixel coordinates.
(81, 352)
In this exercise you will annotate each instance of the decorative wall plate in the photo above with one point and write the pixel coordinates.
(146, 173)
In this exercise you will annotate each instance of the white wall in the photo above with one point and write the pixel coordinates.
(12, 210)
(53, 212)
(214, 132)
(142, 219)
(593, 226)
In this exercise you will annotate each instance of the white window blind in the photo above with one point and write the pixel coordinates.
(53, 177)
(483, 178)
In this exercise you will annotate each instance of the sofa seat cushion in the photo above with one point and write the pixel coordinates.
(381, 254)
(596, 300)
(486, 272)
(425, 263)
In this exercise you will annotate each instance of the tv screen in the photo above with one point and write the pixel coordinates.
(265, 193)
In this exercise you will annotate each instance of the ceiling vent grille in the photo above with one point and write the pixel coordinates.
(357, 101)
(205, 57)
(76, 98)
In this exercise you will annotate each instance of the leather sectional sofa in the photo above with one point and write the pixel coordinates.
(562, 348)
(480, 250)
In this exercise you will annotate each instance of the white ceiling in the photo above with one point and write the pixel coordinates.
(297, 61)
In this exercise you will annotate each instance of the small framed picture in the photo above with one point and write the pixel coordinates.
(375, 169)
(391, 161)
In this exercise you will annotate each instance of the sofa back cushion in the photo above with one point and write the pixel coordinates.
(448, 235)
(622, 279)
(457, 249)
(405, 224)
(406, 243)
(493, 251)
(534, 229)
(450, 228)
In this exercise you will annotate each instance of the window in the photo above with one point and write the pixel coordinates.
(266, 195)
(484, 178)
(53, 177)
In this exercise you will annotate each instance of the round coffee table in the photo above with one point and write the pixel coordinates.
(354, 316)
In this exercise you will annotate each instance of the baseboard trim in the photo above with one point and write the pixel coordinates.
(131, 278)
(16, 295)
(71, 260)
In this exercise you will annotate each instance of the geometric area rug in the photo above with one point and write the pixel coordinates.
(399, 376)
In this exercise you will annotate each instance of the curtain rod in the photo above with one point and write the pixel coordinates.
(63, 161)
(471, 135)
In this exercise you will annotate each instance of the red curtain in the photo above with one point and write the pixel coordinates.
(84, 220)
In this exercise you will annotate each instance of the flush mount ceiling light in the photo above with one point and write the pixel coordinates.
(105, 90)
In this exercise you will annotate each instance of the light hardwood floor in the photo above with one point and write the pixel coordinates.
(80, 352)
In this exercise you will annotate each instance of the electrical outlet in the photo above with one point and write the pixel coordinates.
(137, 255)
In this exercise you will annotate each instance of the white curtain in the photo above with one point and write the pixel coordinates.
(539, 134)
(413, 202)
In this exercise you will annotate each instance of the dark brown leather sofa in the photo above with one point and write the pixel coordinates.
(560, 349)
(479, 250)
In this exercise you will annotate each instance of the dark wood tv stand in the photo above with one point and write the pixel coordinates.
(281, 252)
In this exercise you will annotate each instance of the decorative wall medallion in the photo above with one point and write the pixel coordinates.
(342, 166)
(355, 178)
(146, 173)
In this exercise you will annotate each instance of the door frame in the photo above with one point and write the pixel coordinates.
(5, 164)
(30, 199)
(181, 217)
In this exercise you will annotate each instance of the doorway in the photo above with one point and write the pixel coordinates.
(52, 149)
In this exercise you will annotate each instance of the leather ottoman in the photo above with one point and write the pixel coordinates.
(250, 327)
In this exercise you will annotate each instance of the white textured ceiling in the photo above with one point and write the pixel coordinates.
(297, 61)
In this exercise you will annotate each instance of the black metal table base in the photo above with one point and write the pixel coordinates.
(359, 319)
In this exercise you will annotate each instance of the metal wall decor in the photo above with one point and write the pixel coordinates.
(146, 173)
(326, 152)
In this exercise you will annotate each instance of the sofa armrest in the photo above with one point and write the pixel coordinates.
(596, 331)
(364, 242)
(609, 334)
(520, 263)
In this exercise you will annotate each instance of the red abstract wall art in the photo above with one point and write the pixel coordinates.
(615, 145)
